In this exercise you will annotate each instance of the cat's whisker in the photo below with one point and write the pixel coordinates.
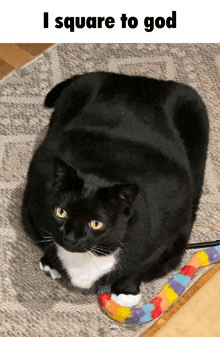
(94, 248)
(47, 240)
(91, 255)
(98, 251)
(103, 249)
(53, 244)
(120, 266)
(46, 231)
(93, 252)
(103, 253)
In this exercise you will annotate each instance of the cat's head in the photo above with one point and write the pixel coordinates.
(87, 212)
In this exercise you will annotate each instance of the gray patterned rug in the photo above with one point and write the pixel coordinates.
(31, 303)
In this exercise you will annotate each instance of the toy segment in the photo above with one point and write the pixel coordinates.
(166, 297)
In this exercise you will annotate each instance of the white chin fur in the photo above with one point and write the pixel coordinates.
(85, 268)
(126, 300)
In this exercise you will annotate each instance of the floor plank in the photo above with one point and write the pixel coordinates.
(14, 55)
(34, 49)
(199, 317)
(5, 68)
(159, 329)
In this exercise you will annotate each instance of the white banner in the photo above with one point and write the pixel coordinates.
(110, 21)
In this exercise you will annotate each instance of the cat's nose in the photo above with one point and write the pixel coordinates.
(70, 239)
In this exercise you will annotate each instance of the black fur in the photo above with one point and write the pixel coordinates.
(128, 151)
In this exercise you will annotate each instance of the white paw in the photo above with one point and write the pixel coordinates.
(52, 272)
(126, 300)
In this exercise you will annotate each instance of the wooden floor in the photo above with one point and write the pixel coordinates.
(193, 310)
(15, 55)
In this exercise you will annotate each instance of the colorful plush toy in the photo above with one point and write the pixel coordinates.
(167, 296)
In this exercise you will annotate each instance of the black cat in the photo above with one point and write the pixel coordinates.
(113, 190)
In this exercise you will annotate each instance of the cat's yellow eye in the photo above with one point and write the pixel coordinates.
(61, 213)
(96, 224)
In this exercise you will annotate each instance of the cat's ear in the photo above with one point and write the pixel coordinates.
(127, 193)
(63, 174)
(53, 95)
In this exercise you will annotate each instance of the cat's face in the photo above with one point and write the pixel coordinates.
(85, 216)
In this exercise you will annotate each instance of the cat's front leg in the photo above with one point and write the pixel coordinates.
(126, 292)
(47, 267)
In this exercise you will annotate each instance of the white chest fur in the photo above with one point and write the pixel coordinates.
(85, 268)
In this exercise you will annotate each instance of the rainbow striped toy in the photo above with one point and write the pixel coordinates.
(167, 296)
